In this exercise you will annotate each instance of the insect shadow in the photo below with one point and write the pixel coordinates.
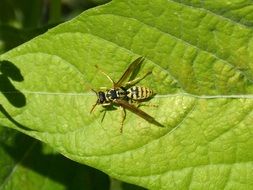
(9, 72)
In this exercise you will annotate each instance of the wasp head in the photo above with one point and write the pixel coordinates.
(101, 99)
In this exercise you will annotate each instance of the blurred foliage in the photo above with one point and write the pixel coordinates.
(21, 20)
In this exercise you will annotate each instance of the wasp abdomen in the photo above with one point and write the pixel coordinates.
(139, 93)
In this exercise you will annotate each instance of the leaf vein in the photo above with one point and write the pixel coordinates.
(186, 43)
(214, 13)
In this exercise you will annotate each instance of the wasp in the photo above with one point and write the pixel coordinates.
(125, 94)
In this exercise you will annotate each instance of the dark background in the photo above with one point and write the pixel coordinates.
(21, 20)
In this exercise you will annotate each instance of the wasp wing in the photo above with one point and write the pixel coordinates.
(129, 70)
(137, 111)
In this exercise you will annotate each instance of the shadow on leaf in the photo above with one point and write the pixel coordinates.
(8, 116)
(10, 71)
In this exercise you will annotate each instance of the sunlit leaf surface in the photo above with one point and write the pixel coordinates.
(200, 54)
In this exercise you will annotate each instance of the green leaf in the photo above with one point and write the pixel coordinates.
(200, 54)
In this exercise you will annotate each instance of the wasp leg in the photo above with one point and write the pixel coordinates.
(123, 114)
(103, 115)
(105, 105)
(107, 76)
(135, 81)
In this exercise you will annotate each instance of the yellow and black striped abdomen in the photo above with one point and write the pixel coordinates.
(139, 93)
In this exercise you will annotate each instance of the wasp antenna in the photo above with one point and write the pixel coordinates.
(93, 107)
(107, 76)
(94, 91)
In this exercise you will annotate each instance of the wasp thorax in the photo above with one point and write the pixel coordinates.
(112, 94)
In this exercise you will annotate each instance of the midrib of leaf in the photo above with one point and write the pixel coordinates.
(168, 95)
(153, 62)
(176, 38)
(157, 96)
